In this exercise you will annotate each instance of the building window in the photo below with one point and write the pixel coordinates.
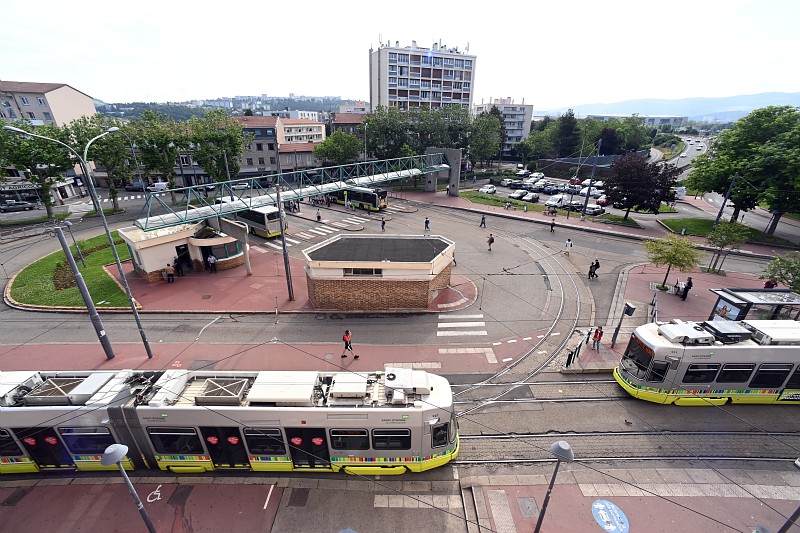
(41, 101)
(392, 56)
(271, 160)
(31, 115)
(249, 161)
(468, 64)
(48, 116)
(24, 100)
(376, 272)
(184, 160)
(259, 147)
(261, 161)
(271, 147)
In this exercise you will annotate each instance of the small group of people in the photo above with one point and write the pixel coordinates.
(593, 267)
(686, 288)
(173, 269)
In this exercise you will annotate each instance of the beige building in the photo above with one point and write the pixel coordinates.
(43, 103)
(516, 119)
(414, 76)
(261, 157)
(378, 272)
(297, 156)
(300, 130)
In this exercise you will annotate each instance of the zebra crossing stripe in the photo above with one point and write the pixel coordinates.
(305, 235)
(328, 230)
(274, 245)
(339, 224)
(462, 324)
(318, 232)
(359, 219)
(292, 241)
(445, 317)
(458, 333)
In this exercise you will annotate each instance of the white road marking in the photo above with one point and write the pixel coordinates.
(292, 241)
(462, 324)
(445, 317)
(457, 333)
(269, 495)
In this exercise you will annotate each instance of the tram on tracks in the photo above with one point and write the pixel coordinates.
(377, 423)
(713, 362)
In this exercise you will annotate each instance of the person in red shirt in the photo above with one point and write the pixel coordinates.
(597, 337)
(348, 347)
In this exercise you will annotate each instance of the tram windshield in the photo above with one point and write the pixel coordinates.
(637, 358)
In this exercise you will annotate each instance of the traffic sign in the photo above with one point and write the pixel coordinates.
(610, 517)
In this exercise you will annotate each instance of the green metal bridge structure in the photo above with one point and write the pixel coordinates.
(195, 204)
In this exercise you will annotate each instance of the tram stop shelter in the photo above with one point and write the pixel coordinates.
(378, 272)
(755, 304)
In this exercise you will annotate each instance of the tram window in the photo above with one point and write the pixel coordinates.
(439, 435)
(658, 371)
(349, 439)
(264, 441)
(391, 439)
(90, 441)
(700, 373)
(178, 441)
(735, 373)
(770, 376)
(8, 446)
(794, 381)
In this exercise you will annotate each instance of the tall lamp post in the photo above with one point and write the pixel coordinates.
(93, 192)
(115, 454)
(68, 225)
(563, 452)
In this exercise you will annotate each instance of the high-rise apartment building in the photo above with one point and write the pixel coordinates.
(414, 76)
(516, 119)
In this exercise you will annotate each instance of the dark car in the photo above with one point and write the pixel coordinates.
(14, 205)
(136, 186)
(574, 205)
(551, 189)
(620, 204)
(531, 197)
(517, 184)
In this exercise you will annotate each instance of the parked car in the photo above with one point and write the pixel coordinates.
(572, 189)
(531, 197)
(242, 185)
(619, 204)
(135, 186)
(574, 181)
(16, 205)
(159, 186)
(488, 189)
(594, 209)
(550, 189)
(558, 200)
(518, 194)
(538, 175)
(517, 184)
(506, 182)
(591, 191)
(523, 173)
(574, 205)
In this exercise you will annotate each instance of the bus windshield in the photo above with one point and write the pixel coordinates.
(637, 358)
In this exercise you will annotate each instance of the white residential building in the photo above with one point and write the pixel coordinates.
(516, 119)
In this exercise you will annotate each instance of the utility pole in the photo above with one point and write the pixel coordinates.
(725, 200)
(286, 266)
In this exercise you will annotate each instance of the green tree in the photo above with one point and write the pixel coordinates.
(632, 131)
(42, 162)
(637, 184)
(386, 130)
(567, 135)
(485, 139)
(218, 142)
(158, 139)
(673, 251)
(726, 236)
(340, 148)
(495, 112)
(784, 269)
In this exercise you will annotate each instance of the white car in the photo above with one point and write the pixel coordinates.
(596, 183)
(240, 185)
(596, 193)
(594, 209)
(683, 154)
(506, 182)
(488, 189)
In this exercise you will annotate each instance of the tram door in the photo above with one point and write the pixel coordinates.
(44, 447)
(225, 446)
(309, 447)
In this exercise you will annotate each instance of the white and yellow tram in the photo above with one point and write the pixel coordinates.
(377, 423)
(713, 362)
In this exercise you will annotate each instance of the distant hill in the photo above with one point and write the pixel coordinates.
(700, 109)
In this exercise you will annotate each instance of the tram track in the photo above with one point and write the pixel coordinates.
(632, 445)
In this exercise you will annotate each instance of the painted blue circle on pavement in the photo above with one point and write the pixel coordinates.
(610, 517)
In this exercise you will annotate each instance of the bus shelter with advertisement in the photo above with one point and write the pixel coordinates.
(755, 304)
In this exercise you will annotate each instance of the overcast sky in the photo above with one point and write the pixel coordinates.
(552, 54)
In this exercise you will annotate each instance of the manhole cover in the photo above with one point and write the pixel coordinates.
(528, 507)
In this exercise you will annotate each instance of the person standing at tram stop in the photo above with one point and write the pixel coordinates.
(170, 270)
(212, 263)
(348, 346)
(687, 287)
(596, 338)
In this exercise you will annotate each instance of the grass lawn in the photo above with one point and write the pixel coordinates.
(617, 220)
(106, 211)
(37, 220)
(498, 200)
(703, 226)
(36, 284)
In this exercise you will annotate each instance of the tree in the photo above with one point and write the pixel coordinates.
(784, 269)
(340, 148)
(218, 142)
(673, 251)
(637, 184)
(567, 137)
(386, 131)
(495, 111)
(158, 139)
(41, 161)
(724, 237)
(485, 139)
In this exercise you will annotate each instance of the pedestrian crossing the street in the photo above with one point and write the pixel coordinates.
(461, 325)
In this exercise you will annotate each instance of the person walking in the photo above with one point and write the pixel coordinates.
(567, 247)
(427, 224)
(212, 263)
(170, 270)
(490, 241)
(176, 263)
(596, 266)
(383, 225)
(687, 288)
(596, 338)
(553, 226)
(348, 346)
(319, 216)
(483, 221)
(591, 270)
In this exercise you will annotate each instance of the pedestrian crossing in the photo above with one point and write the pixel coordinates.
(461, 326)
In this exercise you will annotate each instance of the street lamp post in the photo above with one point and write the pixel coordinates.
(563, 452)
(93, 193)
(627, 311)
(68, 225)
(114, 454)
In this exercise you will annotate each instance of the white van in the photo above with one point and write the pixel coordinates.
(557, 200)
(159, 186)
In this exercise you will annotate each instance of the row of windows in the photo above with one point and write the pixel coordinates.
(261, 161)
(260, 147)
(435, 61)
(768, 375)
(25, 101)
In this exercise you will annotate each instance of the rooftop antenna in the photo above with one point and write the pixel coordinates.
(467, 50)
